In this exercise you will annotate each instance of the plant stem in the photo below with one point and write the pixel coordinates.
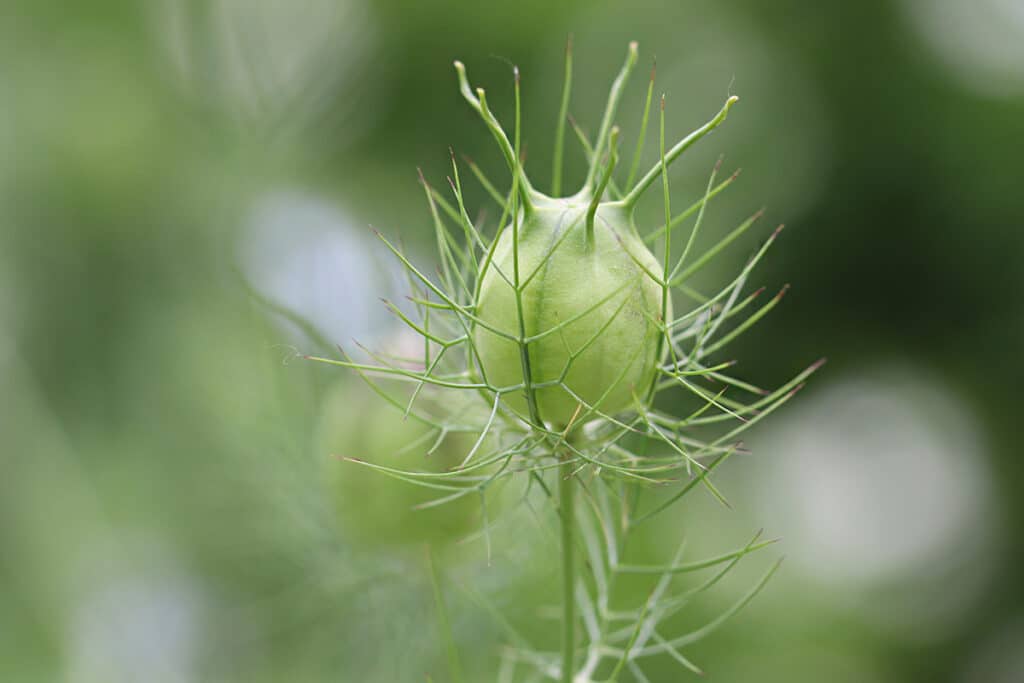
(444, 625)
(566, 495)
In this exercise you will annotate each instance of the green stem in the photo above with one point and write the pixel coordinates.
(445, 627)
(566, 495)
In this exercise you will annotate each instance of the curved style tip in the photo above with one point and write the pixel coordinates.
(478, 102)
(634, 53)
(634, 194)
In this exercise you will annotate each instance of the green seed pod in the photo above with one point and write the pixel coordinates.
(588, 305)
(374, 509)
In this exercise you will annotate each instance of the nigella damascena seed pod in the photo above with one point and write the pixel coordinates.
(587, 303)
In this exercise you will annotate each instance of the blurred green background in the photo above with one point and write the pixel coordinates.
(177, 175)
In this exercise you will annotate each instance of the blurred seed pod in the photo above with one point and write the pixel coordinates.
(378, 510)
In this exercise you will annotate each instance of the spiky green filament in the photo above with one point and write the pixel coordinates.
(633, 167)
(634, 194)
(610, 110)
(563, 114)
(668, 208)
(567, 524)
(523, 346)
(479, 103)
(613, 159)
